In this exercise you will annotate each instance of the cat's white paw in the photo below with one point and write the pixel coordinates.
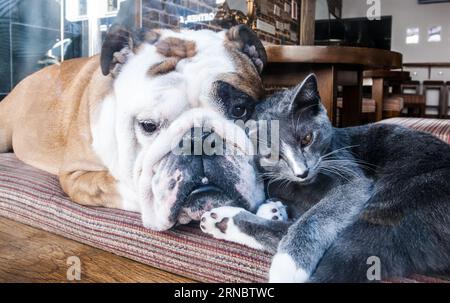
(220, 223)
(284, 270)
(273, 210)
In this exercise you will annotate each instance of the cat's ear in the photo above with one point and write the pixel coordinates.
(305, 95)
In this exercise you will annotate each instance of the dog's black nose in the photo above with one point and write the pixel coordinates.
(304, 175)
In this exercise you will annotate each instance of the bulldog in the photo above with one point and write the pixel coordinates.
(110, 126)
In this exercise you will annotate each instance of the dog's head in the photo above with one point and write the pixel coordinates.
(172, 90)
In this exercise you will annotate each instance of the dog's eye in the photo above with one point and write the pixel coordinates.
(238, 112)
(148, 127)
(307, 140)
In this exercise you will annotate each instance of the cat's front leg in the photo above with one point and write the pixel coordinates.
(262, 231)
(309, 237)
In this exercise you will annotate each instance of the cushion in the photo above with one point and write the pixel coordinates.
(34, 197)
(438, 127)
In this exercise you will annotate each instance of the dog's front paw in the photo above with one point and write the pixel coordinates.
(221, 224)
(284, 270)
(273, 210)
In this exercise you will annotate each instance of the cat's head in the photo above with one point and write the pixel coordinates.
(305, 132)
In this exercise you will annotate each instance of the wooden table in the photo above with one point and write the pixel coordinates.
(381, 80)
(334, 66)
(29, 255)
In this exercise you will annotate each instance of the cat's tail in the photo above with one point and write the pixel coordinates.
(5, 126)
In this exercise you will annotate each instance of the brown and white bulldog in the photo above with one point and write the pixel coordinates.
(108, 125)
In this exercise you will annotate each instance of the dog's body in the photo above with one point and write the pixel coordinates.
(46, 119)
(107, 125)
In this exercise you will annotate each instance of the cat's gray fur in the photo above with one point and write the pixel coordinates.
(376, 190)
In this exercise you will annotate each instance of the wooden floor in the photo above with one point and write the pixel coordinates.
(31, 255)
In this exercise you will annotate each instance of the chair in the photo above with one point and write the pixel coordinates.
(447, 101)
(415, 105)
(392, 107)
(414, 101)
(434, 92)
(411, 87)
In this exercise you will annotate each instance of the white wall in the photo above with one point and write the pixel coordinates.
(408, 13)
(321, 10)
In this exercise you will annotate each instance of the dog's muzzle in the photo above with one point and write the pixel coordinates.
(188, 181)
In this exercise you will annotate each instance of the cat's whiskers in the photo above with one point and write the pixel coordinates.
(335, 171)
(346, 148)
(352, 163)
(348, 167)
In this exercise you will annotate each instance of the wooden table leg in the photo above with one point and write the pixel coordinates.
(328, 90)
(352, 107)
(378, 96)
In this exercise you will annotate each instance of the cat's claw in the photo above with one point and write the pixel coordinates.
(220, 223)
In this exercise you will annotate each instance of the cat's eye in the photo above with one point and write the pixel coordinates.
(149, 127)
(238, 112)
(307, 140)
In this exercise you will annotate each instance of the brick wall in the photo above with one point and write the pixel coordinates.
(167, 13)
(280, 15)
(273, 14)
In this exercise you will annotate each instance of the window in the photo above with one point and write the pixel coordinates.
(294, 10)
(276, 10)
(82, 8)
(434, 34)
(39, 33)
(412, 35)
(287, 8)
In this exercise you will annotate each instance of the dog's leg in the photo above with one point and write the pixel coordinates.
(238, 225)
(91, 188)
(5, 140)
(309, 237)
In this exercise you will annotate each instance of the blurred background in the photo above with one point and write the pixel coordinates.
(38, 33)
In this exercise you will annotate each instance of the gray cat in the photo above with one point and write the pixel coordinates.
(367, 203)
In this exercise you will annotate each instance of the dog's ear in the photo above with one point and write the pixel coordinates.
(118, 44)
(248, 43)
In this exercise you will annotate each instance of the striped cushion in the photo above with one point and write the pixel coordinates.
(33, 197)
(437, 127)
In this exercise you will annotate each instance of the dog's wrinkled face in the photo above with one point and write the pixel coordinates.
(169, 87)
